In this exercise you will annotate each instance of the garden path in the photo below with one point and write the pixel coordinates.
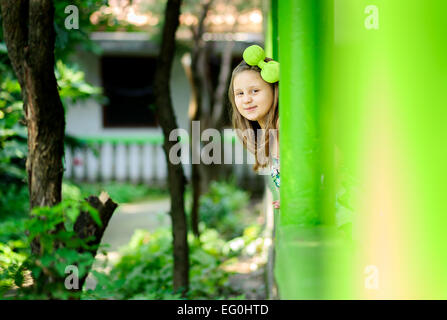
(148, 215)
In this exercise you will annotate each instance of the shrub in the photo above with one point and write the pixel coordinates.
(221, 208)
(14, 202)
(59, 248)
(146, 266)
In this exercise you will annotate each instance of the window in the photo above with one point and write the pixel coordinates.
(128, 86)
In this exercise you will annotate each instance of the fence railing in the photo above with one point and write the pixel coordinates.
(140, 160)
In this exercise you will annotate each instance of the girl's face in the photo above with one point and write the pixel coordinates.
(252, 95)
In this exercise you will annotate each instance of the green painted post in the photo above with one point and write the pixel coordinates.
(306, 235)
(298, 111)
(297, 263)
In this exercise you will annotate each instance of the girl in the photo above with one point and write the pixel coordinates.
(253, 94)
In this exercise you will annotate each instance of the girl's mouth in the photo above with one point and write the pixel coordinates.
(251, 108)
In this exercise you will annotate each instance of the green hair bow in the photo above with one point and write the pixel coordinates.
(254, 56)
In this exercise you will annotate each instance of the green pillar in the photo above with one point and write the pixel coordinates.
(298, 112)
(307, 239)
(298, 263)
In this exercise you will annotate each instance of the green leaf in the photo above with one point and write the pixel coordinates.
(46, 260)
(72, 213)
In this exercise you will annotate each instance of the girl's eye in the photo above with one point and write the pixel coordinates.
(239, 93)
(255, 90)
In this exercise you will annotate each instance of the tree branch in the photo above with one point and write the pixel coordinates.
(85, 226)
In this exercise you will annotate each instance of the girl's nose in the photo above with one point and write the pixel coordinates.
(247, 98)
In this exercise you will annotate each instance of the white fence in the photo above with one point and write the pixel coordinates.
(141, 160)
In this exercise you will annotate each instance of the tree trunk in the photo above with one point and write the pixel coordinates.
(166, 116)
(29, 36)
(215, 119)
(195, 181)
(193, 114)
(208, 107)
(85, 226)
(198, 61)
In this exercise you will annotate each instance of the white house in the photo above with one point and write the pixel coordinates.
(123, 133)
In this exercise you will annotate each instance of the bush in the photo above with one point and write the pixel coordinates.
(14, 202)
(12, 253)
(221, 208)
(59, 248)
(145, 269)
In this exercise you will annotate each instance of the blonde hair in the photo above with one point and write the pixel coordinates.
(247, 130)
